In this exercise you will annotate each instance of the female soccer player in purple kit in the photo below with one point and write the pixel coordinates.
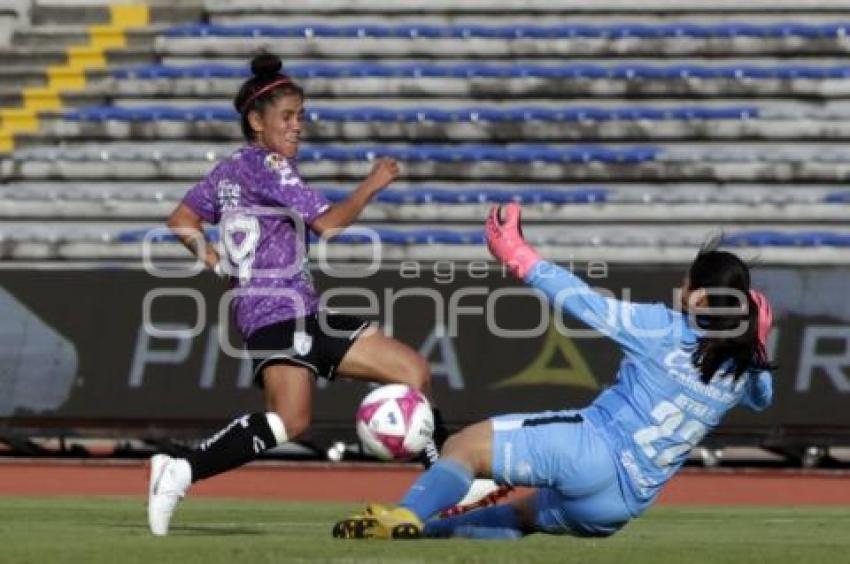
(263, 208)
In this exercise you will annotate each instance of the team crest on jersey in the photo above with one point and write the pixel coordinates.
(229, 194)
(302, 342)
(283, 168)
(275, 162)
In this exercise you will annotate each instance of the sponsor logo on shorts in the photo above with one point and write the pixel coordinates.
(302, 343)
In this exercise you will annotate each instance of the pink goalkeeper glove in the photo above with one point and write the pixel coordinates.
(765, 315)
(505, 241)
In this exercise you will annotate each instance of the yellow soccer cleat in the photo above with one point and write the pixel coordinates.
(354, 527)
(380, 522)
(394, 523)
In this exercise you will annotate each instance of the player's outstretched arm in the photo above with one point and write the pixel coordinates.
(507, 244)
(565, 290)
(346, 212)
(188, 227)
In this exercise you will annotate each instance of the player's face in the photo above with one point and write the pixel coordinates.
(692, 298)
(279, 127)
(683, 294)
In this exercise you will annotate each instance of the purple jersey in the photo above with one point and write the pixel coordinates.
(263, 208)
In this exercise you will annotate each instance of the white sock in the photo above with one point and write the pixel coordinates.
(277, 427)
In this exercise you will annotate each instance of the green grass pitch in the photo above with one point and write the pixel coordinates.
(113, 530)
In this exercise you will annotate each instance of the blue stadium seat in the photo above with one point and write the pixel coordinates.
(506, 32)
(422, 114)
(161, 236)
(477, 153)
(789, 239)
(838, 198)
(428, 195)
(408, 153)
(476, 237)
(503, 71)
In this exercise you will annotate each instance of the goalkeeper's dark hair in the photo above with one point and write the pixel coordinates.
(726, 280)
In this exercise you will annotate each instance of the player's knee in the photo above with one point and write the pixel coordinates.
(467, 448)
(456, 448)
(451, 446)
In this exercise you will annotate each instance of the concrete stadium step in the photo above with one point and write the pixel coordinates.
(494, 88)
(481, 48)
(99, 254)
(778, 108)
(91, 12)
(463, 111)
(631, 67)
(54, 130)
(727, 162)
(12, 15)
(12, 79)
(510, 153)
(109, 209)
(42, 56)
(15, 77)
(423, 17)
(63, 35)
(623, 243)
(429, 193)
(634, 233)
(549, 7)
(11, 96)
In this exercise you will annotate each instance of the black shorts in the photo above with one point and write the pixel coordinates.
(317, 342)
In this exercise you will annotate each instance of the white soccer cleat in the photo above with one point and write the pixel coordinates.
(482, 493)
(479, 489)
(169, 480)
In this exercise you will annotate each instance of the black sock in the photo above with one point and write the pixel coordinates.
(432, 450)
(240, 442)
(440, 431)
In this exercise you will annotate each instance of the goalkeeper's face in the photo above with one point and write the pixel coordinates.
(278, 127)
(691, 298)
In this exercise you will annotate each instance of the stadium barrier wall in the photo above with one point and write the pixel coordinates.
(122, 351)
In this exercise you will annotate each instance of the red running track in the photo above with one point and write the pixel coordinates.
(386, 483)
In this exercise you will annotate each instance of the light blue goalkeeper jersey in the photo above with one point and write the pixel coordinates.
(658, 409)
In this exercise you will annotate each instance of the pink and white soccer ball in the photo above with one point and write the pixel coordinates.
(394, 422)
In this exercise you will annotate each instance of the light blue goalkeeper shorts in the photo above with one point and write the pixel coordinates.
(563, 455)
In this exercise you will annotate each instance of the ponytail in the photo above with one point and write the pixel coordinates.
(734, 342)
(739, 354)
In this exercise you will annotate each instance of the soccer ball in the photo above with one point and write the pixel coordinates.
(394, 422)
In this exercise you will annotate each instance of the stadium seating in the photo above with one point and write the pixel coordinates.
(613, 125)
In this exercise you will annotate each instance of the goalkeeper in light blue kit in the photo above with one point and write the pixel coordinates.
(596, 468)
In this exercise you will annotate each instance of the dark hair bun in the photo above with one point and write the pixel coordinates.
(265, 65)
